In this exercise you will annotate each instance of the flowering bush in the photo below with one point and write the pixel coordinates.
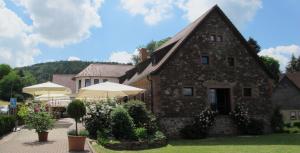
(200, 126)
(245, 123)
(98, 117)
(240, 116)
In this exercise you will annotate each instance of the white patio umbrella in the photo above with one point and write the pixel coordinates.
(47, 97)
(108, 90)
(46, 88)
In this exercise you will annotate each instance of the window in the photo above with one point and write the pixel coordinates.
(104, 80)
(219, 38)
(188, 91)
(87, 82)
(79, 84)
(231, 61)
(247, 92)
(96, 81)
(293, 115)
(205, 59)
(212, 38)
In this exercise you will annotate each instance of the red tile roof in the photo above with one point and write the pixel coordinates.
(65, 80)
(295, 78)
(105, 70)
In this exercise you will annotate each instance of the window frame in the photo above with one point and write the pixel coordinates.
(97, 81)
(208, 59)
(212, 38)
(234, 61)
(221, 38)
(85, 82)
(251, 92)
(79, 84)
(295, 115)
(192, 91)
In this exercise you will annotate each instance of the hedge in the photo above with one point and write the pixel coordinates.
(7, 124)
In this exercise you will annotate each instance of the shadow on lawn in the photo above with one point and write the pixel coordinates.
(273, 139)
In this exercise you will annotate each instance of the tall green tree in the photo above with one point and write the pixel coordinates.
(272, 65)
(4, 70)
(293, 65)
(151, 47)
(11, 85)
(253, 43)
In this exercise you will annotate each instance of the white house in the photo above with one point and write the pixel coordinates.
(97, 73)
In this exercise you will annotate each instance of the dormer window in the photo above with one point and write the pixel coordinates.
(231, 61)
(205, 59)
(212, 38)
(219, 38)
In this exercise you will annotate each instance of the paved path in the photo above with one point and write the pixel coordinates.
(25, 141)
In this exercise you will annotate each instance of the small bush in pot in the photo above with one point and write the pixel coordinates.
(76, 110)
(41, 122)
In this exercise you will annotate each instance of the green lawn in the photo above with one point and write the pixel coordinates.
(2, 103)
(275, 143)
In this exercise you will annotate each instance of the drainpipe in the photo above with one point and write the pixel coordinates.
(151, 92)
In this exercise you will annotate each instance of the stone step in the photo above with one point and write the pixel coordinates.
(223, 126)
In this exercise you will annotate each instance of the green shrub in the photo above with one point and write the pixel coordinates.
(199, 128)
(158, 135)
(102, 137)
(81, 133)
(241, 117)
(98, 117)
(76, 110)
(140, 133)
(122, 124)
(7, 124)
(40, 121)
(277, 123)
(151, 125)
(296, 124)
(137, 110)
(288, 125)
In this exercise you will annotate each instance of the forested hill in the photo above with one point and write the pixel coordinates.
(43, 71)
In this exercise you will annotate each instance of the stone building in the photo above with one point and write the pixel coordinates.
(97, 73)
(207, 64)
(287, 96)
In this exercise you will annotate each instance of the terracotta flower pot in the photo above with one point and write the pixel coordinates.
(76, 143)
(43, 136)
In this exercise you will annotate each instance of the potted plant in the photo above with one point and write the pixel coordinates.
(76, 110)
(41, 122)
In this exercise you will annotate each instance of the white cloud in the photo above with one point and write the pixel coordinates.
(62, 22)
(154, 11)
(239, 11)
(73, 58)
(122, 56)
(17, 47)
(54, 23)
(282, 54)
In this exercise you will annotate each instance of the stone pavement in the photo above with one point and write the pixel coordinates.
(26, 141)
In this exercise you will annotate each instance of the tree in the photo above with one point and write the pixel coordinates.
(11, 84)
(151, 47)
(294, 64)
(272, 65)
(253, 43)
(4, 70)
(76, 110)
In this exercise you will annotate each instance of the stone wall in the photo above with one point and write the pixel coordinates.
(184, 69)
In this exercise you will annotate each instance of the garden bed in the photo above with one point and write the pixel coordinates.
(135, 145)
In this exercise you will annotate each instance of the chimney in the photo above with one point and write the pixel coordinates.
(143, 54)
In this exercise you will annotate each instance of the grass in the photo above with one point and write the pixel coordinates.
(3, 103)
(274, 143)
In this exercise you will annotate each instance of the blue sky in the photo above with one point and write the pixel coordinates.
(111, 30)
